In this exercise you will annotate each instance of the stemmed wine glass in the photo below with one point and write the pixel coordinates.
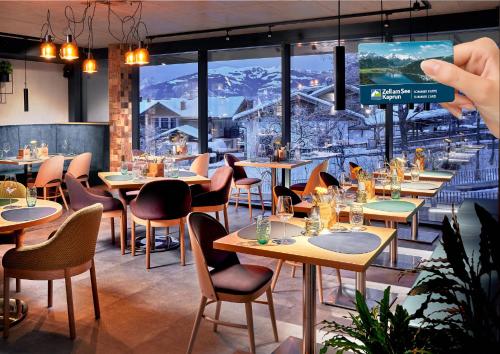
(384, 179)
(339, 205)
(10, 186)
(284, 210)
(345, 181)
(6, 149)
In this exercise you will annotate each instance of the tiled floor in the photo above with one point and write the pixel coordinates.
(153, 311)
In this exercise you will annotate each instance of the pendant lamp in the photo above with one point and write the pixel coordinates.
(339, 71)
(89, 65)
(69, 49)
(25, 91)
(47, 48)
(141, 55)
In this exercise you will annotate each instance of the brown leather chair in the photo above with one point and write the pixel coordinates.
(49, 179)
(304, 189)
(162, 203)
(79, 167)
(217, 197)
(68, 252)
(228, 280)
(242, 181)
(80, 197)
(328, 180)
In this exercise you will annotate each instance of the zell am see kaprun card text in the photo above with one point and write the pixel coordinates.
(390, 72)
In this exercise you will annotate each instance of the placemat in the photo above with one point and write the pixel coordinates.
(5, 201)
(347, 242)
(119, 178)
(421, 186)
(27, 214)
(184, 173)
(437, 173)
(250, 232)
(395, 206)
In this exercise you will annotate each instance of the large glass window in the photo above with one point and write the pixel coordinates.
(355, 134)
(168, 108)
(244, 104)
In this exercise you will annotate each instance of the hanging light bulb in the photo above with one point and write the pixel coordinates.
(141, 55)
(89, 65)
(130, 56)
(47, 48)
(387, 24)
(69, 49)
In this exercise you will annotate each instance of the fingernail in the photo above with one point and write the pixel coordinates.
(430, 67)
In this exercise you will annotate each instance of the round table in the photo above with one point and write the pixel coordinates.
(19, 308)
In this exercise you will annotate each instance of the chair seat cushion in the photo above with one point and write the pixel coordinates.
(208, 199)
(298, 187)
(241, 279)
(247, 181)
(100, 192)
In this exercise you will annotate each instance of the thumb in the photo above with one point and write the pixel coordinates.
(449, 74)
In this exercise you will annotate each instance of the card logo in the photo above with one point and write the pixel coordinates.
(376, 94)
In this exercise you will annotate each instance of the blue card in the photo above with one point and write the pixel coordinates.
(390, 72)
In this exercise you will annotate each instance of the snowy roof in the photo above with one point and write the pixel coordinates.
(331, 88)
(217, 106)
(186, 129)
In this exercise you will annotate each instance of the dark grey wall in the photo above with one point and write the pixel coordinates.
(82, 137)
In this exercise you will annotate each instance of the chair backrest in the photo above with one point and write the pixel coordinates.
(221, 181)
(51, 170)
(328, 180)
(280, 191)
(203, 231)
(74, 242)
(80, 165)
(20, 191)
(238, 171)
(314, 180)
(163, 200)
(77, 192)
(200, 165)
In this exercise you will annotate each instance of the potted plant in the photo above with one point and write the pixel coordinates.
(5, 70)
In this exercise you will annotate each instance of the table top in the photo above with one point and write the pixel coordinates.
(429, 176)
(182, 157)
(137, 184)
(21, 162)
(304, 252)
(290, 164)
(373, 214)
(7, 226)
(408, 191)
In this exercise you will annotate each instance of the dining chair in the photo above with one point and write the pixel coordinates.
(50, 177)
(327, 180)
(242, 181)
(162, 203)
(68, 252)
(200, 165)
(79, 167)
(228, 280)
(217, 197)
(81, 197)
(307, 188)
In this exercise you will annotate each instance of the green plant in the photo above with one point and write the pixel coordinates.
(5, 67)
(378, 331)
(465, 289)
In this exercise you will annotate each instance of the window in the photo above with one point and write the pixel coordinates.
(169, 102)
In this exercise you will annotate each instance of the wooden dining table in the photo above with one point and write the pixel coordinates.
(428, 175)
(311, 256)
(18, 220)
(28, 163)
(274, 166)
(392, 218)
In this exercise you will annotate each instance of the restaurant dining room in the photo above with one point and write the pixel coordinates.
(278, 177)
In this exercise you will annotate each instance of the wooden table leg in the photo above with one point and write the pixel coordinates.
(273, 184)
(309, 309)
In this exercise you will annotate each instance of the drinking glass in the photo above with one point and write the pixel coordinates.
(10, 186)
(415, 173)
(31, 195)
(124, 168)
(339, 205)
(345, 181)
(384, 179)
(6, 149)
(356, 217)
(284, 210)
(65, 146)
(263, 229)
(137, 170)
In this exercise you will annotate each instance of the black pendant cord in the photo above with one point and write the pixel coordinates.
(338, 27)
(382, 21)
(25, 91)
(340, 103)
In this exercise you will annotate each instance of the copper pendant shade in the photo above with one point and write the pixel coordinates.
(69, 49)
(48, 48)
(141, 56)
(89, 65)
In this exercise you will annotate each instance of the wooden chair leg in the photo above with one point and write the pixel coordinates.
(320, 285)
(148, 245)
(237, 198)
(339, 278)
(19, 243)
(69, 299)
(87, 184)
(132, 238)
(63, 197)
(293, 270)
(153, 238)
(123, 232)
(217, 215)
(50, 293)
(248, 310)
(277, 273)
(18, 285)
(44, 193)
(250, 202)
(270, 303)
(217, 313)
(6, 297)
(95, 294)
(196, 325)
(226, 220)
(112, 220)
(181, 241)
(261, 199)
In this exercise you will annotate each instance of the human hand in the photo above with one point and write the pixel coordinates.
(476, 75)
